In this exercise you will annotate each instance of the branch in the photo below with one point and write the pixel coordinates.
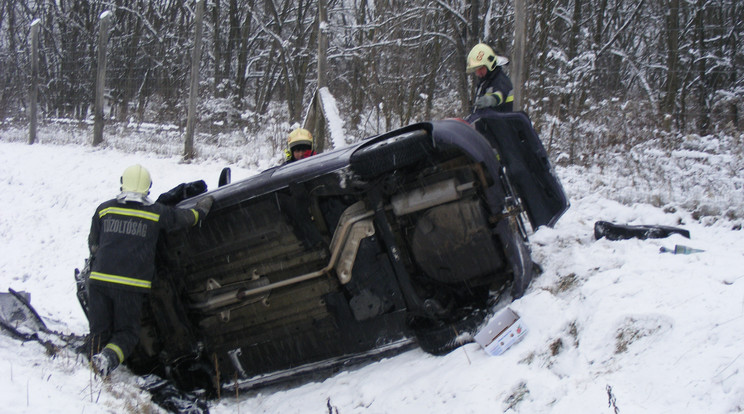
(627, 23)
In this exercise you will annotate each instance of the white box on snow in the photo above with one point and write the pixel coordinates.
(503, 331)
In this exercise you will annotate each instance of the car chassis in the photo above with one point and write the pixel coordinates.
(404, 239)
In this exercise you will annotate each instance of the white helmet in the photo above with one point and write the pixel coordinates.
(136, 179)
(482, 55)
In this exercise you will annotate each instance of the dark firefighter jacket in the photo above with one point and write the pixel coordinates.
(123, 238)
(497, 84)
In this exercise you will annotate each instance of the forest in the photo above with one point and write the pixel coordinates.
(596, 73)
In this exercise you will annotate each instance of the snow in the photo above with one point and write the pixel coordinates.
(613, 326)
(335, 123)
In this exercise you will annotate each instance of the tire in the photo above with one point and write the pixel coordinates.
(440, 338)
(391, 154)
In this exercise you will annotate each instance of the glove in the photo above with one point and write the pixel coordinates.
(194, 188)
(204, 205)
(181, 192)
(485, 101)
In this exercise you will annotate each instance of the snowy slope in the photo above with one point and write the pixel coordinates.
(664, 332)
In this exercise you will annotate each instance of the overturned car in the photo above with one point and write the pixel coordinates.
(404, 239)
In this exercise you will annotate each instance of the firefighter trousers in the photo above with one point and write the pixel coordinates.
(114, 318)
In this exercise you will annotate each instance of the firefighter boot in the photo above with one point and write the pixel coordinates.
(105, 362)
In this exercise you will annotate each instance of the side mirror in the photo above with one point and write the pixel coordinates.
(225, 177)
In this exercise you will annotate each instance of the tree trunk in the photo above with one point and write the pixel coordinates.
(431, 80)
(217, 45)
(703, 93)
(672, 61)
(130, 85)
(358, 80)
(241, 77)
(475, 20)
(233, 38)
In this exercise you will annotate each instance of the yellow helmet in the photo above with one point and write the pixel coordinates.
(482, 55)
(136, 179)
(300, 136)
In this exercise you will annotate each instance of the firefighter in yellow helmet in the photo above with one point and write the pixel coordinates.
(494, 88)
(299, 145)
(123, 235)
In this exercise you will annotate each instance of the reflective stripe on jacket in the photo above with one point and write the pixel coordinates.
(123, 239)
(122, 280)
(498, 85)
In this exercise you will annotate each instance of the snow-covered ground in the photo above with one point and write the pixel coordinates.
(614, 326)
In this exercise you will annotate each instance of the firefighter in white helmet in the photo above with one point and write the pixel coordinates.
(494, 89)
(123, 235)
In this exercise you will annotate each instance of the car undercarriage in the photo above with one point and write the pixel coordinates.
(401, 240)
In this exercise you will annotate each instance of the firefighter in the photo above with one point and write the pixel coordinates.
(494, 88)
(299, 145)
(122, 240)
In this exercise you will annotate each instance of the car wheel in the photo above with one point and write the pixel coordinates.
(390, 154)
(439, 338)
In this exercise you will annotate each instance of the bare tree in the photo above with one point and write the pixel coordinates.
(389, 63)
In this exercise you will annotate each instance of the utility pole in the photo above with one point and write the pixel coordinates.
(322, 42)
(34, 89)
(103, 33)
(319, 124)
(188, 151)
(518, 71)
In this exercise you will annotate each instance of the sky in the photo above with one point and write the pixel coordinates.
(613, 326)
